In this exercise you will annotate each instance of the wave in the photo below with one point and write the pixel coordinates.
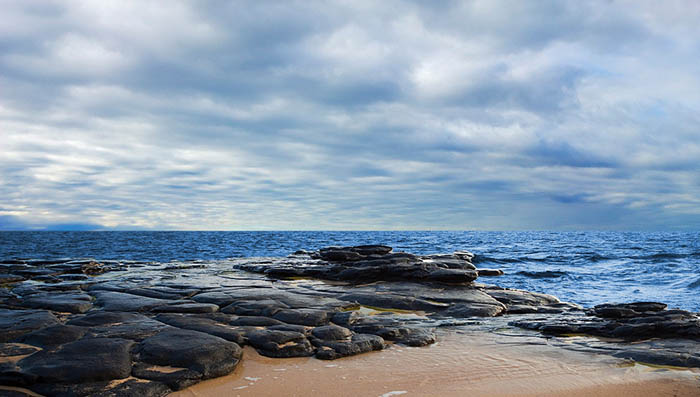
(543, 274)
(694, 284)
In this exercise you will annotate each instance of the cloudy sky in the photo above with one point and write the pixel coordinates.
(226, 115)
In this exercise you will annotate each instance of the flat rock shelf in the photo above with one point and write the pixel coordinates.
(80, 327)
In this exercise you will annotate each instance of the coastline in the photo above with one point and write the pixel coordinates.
(460, 363)
(249, 327)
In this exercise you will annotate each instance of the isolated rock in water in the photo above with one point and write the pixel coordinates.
(82, 361)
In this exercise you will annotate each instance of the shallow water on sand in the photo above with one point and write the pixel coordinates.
(473, 363)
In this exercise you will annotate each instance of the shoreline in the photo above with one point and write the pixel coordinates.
(87, 328)
(460, 363)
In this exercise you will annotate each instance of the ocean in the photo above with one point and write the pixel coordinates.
(587, 268)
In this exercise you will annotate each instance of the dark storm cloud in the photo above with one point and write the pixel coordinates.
(365, 115)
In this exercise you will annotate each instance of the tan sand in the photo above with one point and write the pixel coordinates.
(474, 364)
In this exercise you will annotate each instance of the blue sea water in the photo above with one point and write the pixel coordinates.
(582, 267)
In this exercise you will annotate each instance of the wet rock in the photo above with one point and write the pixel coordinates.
(64, 302)
(390, 301)
(16, 349)
(357, 344)
(16, 323)
(81, 361)
(489, 272)
(339, 254)
(280, 344)
(104, 318)
(10, 278)
(462, 310)
(218, 298)
(127, 387)
(392, 328)
(122, 302)
(256, 321)
(264, 307)
(310, 317)
(186, 307)
(452, 276)
(174, 378)
(623, 310)
(206, 325)
(54, 335)
(136, 330)
(205, 354)
(302, 329)
(331, 332)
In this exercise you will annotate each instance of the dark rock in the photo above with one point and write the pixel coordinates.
(217, 298)
(205, 325)
(122, 302)
(338, 254)
(358, 344)
(10, 278)
(174, 378)
(82, 361)
(623, 310)
(64, 302)
(131, 387)
(187, 307)
(366, 250)
(462, 310)
(54, 335)
(16, 349)
(389, 301)
(208, 355)
(331, 332)
(16, 323)
(310, 317)
(264, 307)
(281, 344)
(258, 321)
(302, 329)
(452, 276)
(489, 272)
(134, 330)
(104, 318)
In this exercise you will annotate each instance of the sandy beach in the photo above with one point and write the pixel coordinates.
(474, 364)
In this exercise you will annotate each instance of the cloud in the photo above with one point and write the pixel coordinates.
(350, 115)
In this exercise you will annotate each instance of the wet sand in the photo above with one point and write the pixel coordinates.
(474, 364)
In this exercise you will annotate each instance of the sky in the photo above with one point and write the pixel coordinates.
(342, 115)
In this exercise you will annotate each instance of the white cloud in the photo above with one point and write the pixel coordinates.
(350, 115)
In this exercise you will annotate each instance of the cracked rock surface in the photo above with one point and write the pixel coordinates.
(89, 328)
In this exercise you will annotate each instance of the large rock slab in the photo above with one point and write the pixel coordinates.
(16, 323)
(86, 360)
(122, 302)
(205, 354)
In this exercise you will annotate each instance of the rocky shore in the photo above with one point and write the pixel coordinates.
(110, 328)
